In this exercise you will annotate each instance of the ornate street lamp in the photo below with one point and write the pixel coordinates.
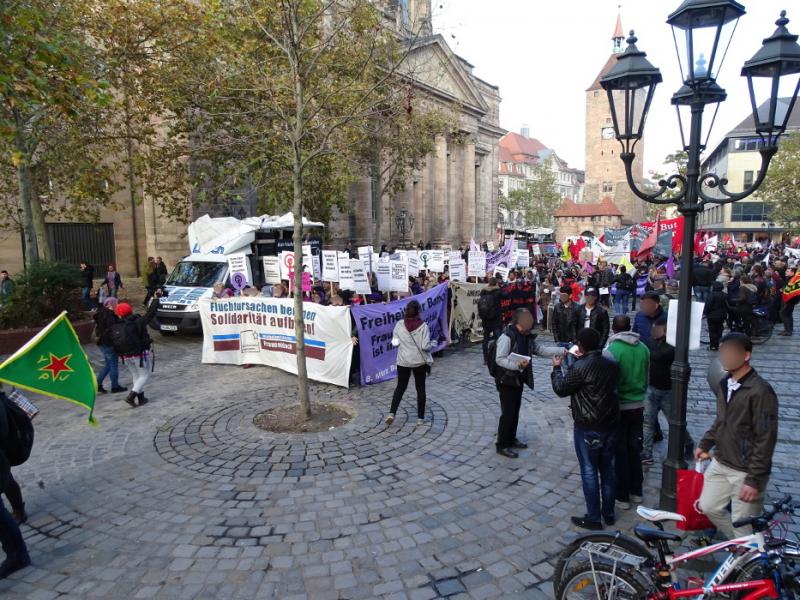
(702, 30)
(405, 223)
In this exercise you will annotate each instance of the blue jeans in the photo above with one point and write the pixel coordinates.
(657, 400)
(10, 535)
(87, 301)
(111, 366)
(701, 292)
(595, 450)
(621, 302)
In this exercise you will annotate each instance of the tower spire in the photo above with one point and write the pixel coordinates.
(619, 33)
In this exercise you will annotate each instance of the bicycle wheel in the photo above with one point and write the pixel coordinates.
(582, 582)
(572, 552)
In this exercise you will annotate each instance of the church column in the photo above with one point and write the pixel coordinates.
(468, 214)
(439, 216)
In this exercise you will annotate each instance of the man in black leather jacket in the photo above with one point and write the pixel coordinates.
(591, 384)
(565, 317)
(10, 535)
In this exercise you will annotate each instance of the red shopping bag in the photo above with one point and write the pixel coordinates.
(690, 486)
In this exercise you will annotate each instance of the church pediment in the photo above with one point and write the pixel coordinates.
(432, 65)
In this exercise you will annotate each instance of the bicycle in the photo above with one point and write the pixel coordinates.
(636, 573)
(759, 328)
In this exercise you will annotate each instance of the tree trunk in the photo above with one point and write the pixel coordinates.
(376, 193)
(37, 214)
(25, 180)
(25, 192)
(132, 185)
(299, 330)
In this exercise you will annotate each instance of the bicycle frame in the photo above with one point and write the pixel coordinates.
(760, 589)
(747, 546)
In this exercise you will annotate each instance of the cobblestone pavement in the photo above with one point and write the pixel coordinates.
(186, 498)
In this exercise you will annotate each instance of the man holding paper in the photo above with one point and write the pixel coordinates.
(513, 358)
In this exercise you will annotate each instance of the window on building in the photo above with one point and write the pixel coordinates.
(747, 144)
(749, 211)
(596, 94)
(748, 179)
(608, 187)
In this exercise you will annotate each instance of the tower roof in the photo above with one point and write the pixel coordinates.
(612, 60)
(619, 32)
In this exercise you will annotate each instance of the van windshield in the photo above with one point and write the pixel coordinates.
(197, 274)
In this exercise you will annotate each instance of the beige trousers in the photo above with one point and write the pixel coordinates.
(721, 486)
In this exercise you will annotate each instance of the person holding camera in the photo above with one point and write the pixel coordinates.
(412, 338)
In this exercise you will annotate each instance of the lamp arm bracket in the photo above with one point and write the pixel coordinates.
(670, 183)
(714, 181)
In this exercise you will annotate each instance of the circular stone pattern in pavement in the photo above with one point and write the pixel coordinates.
(228, 444)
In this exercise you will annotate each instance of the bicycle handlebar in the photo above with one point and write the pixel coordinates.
(761, 522)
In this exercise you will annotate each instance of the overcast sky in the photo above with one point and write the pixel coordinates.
(543, 55)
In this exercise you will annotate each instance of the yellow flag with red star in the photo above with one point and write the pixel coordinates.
(53, 363)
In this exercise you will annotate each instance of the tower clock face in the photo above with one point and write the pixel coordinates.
(607, 133)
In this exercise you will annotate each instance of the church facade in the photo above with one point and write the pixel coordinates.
(454, 196)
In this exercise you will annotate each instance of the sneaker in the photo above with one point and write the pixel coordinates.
(420, 421)
(636, 499)
(390, 419)
(648, 461)
(101, 389)
(623, 505)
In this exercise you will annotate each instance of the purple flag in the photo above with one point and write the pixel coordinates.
(375, 324)
(671, 266)
(501, 257)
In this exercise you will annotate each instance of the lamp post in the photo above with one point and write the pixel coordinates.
(702, 30)
(405, 223)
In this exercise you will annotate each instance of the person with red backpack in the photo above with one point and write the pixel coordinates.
(11, 452)
(132, 342)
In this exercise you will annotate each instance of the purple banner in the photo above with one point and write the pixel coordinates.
(375, 324)
(502, 257)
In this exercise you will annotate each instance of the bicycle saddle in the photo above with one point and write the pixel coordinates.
(656, 516)
(653, 535)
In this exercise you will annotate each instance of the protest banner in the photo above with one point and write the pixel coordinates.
(536, 250)
(518, 295)
(286, 264)
(375, 324)
(365, 256)
(673, 225)
(272, 269)
(476, 263)
(458, 270)
(501, 272)
(261, 331)
(436, 261)
(330, 265)
(239, 270)
(360, 279)
(523, 258)
(398, 276)
(502, 257)
(453, 256)
(345, 272)
(412, 260)
(316, 263)
(465, 316)
(383, 272)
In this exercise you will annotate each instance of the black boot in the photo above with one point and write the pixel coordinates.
(101, 389)
(142, 399)
(131, 399)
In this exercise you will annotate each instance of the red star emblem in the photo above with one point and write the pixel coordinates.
(58, 365)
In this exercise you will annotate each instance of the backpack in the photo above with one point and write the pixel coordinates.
(19, 443)
(126, 339)
(491, 358)
(487, 307)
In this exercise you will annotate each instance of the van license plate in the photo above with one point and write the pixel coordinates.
(169, 328)
(169, 306)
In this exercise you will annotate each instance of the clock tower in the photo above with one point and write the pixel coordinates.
(605, 172)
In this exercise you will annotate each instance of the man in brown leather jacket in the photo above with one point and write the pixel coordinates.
(743, 438)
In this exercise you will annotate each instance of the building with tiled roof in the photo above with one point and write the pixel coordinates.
(573, 218)
(519, 155)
